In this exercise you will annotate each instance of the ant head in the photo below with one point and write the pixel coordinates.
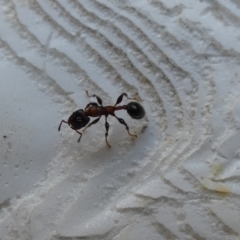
(135, 110)
(78, 119)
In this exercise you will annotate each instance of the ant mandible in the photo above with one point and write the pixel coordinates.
(80, 118)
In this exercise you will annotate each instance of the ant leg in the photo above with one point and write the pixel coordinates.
(107, 128)
(91, 123)
(61, 124)
(97, 97)
(124, 123)
(120, 98)
(79, 134)
(91, 104)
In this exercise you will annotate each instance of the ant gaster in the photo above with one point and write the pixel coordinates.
(80, 118)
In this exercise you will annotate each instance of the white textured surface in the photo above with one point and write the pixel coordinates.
(179, 179)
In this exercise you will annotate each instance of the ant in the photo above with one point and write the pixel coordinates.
(80, 118)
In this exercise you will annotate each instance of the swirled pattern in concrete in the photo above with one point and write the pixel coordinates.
(179, 179)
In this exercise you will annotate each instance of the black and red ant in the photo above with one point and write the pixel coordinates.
(80, 118)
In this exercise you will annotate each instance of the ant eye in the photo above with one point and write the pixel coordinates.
(79, 119)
